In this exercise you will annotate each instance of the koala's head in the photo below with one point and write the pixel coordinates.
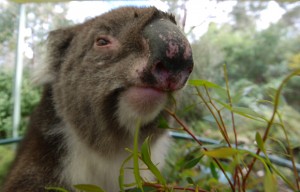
(117, 68)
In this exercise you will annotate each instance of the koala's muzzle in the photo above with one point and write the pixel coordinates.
(170, 59)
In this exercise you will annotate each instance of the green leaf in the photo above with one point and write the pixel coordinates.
(200, 82)
(190, 180)
(280, 143)
(146, 157)
(265, 102)
(227, 106)
(190, 164)
(189, 108)
(237, 97)
(213, 170)
(260, 142)
(88, 188)
(58, 189)
(272, 93)
(261, 146)
(246, 112)
(270, 182)
(224, 152)
(221, 92)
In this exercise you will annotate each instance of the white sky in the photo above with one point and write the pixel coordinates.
(200, 12)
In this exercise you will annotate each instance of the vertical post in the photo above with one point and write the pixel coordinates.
(18, 71)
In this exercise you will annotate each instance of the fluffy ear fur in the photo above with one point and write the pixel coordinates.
(58, 43)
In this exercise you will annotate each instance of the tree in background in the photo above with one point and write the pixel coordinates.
(253, 56)
(39, 21)
(8, 19)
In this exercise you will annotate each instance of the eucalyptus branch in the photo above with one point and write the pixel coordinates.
(290, 151)
(223, 127)
(213, 114)
(238, 168)
(185, 128)
(270, 122)
(230, 104)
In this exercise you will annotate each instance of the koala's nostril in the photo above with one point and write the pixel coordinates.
(161, 68)
(167, 78)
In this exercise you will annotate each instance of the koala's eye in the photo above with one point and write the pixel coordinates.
(102, 41)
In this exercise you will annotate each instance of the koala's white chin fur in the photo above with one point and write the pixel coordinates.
(141, 104)
(86, 166)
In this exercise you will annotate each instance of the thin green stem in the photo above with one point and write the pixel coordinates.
(136, 169)
(121, 176)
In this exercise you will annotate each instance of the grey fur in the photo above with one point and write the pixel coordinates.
(84, 120)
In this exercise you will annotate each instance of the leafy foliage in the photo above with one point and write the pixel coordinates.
(29, 99)
(256, 59)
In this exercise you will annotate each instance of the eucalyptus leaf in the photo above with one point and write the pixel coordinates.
(192, 163)
(146, 157)
(213, 170)
(243, 111)
(247, 112)
(270, 182)
(260, 142)
(201, 82)
(224, 152)
(190, 180)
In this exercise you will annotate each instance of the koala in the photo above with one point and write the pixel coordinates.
(100, 78)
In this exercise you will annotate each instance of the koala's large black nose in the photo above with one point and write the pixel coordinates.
(170, 55)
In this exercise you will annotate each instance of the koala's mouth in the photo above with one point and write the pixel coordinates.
(145, 99)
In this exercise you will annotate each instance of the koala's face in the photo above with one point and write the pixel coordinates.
(117, 69)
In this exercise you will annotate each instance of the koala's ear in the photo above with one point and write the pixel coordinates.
(58, 43)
